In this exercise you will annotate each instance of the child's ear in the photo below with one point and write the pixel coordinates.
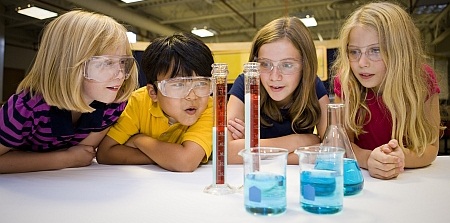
(152, 92)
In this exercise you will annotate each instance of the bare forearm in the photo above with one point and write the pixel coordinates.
(19, 161)
(413, 160)
(122, 154)
(362, 155)
(289, 142)
(171, 156)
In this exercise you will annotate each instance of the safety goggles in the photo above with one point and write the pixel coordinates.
(180, 87)
(285, 66)
(372, 53)
(108, 67)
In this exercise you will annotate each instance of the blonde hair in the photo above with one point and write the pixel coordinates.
(405, 87)
(67, 42)
(305, 109)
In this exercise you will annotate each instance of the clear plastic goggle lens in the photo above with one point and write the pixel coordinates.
(286, 67)
(372, 54)
(180, 87)
(107, 68)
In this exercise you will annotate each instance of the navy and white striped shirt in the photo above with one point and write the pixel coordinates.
(29, 123)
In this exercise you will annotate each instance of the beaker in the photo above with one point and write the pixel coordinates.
(321, 179)
(265, 180)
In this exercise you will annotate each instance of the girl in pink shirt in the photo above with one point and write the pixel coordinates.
(390, 96)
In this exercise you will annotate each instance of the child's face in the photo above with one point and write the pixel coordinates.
(369, 69)
(105, 90)
(185, 106)
(280, 84)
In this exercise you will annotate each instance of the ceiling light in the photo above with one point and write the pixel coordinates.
(429, 9)
(36, 12)
(130, 1)
(203, 32)
(131, 37)
(309, 21)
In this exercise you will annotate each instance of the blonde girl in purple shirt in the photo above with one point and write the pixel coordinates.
(76, 89)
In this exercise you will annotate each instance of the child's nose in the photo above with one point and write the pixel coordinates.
(191, 94)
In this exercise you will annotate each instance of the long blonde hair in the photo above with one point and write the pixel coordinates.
(305, 109)
(67, 42)
(405, 87)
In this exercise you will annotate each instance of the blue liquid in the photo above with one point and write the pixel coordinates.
(321, 191)
(353, 178)
(265, 193)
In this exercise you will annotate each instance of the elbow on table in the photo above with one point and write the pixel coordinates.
(184, 165)
(235, 160)
(102, 157)
(420, 161)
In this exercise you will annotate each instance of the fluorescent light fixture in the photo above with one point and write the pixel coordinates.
(36, 12)
(320, 37)
(131, 37)
(130, 1)
(430, 9)
(309, 21)
(204, 32)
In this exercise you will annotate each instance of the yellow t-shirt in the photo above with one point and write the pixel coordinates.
(142, 115)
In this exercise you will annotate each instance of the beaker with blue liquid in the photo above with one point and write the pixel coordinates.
(265, 180)
(321, 179)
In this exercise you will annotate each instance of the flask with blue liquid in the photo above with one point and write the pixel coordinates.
(336, 136)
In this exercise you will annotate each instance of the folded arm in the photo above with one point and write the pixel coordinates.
(236, 130)
(112, 152)
(185, 157)
(16, 161)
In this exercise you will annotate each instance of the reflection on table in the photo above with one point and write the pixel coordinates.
(101, 193)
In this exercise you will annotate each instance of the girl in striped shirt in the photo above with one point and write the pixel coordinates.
(77, 88)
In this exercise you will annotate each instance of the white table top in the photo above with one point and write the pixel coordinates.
(131, 194)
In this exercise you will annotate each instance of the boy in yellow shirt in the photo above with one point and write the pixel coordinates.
(168, 122)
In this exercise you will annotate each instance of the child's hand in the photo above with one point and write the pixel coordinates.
(80, 155)
(237, 128)
(386, 161)
(395, 150)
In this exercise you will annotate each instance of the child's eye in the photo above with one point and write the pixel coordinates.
(202, 84)
(177, 85)
(287, 65)
(107, 63)
(354, 52)
(265, 64)
(375, 50)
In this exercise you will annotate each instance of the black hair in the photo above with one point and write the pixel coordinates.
(181, 54)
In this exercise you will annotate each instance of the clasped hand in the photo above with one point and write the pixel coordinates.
(386, 161)
(236, 128)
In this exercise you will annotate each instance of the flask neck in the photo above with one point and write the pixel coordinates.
(335, 115)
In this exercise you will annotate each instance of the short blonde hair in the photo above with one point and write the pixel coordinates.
(67, 42)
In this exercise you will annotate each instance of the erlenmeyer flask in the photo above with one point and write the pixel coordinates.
(336, 136)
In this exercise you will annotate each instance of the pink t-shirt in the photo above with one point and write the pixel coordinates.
(379, 128)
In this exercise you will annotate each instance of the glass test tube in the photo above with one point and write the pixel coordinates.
(252, 106)
(219, 185)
